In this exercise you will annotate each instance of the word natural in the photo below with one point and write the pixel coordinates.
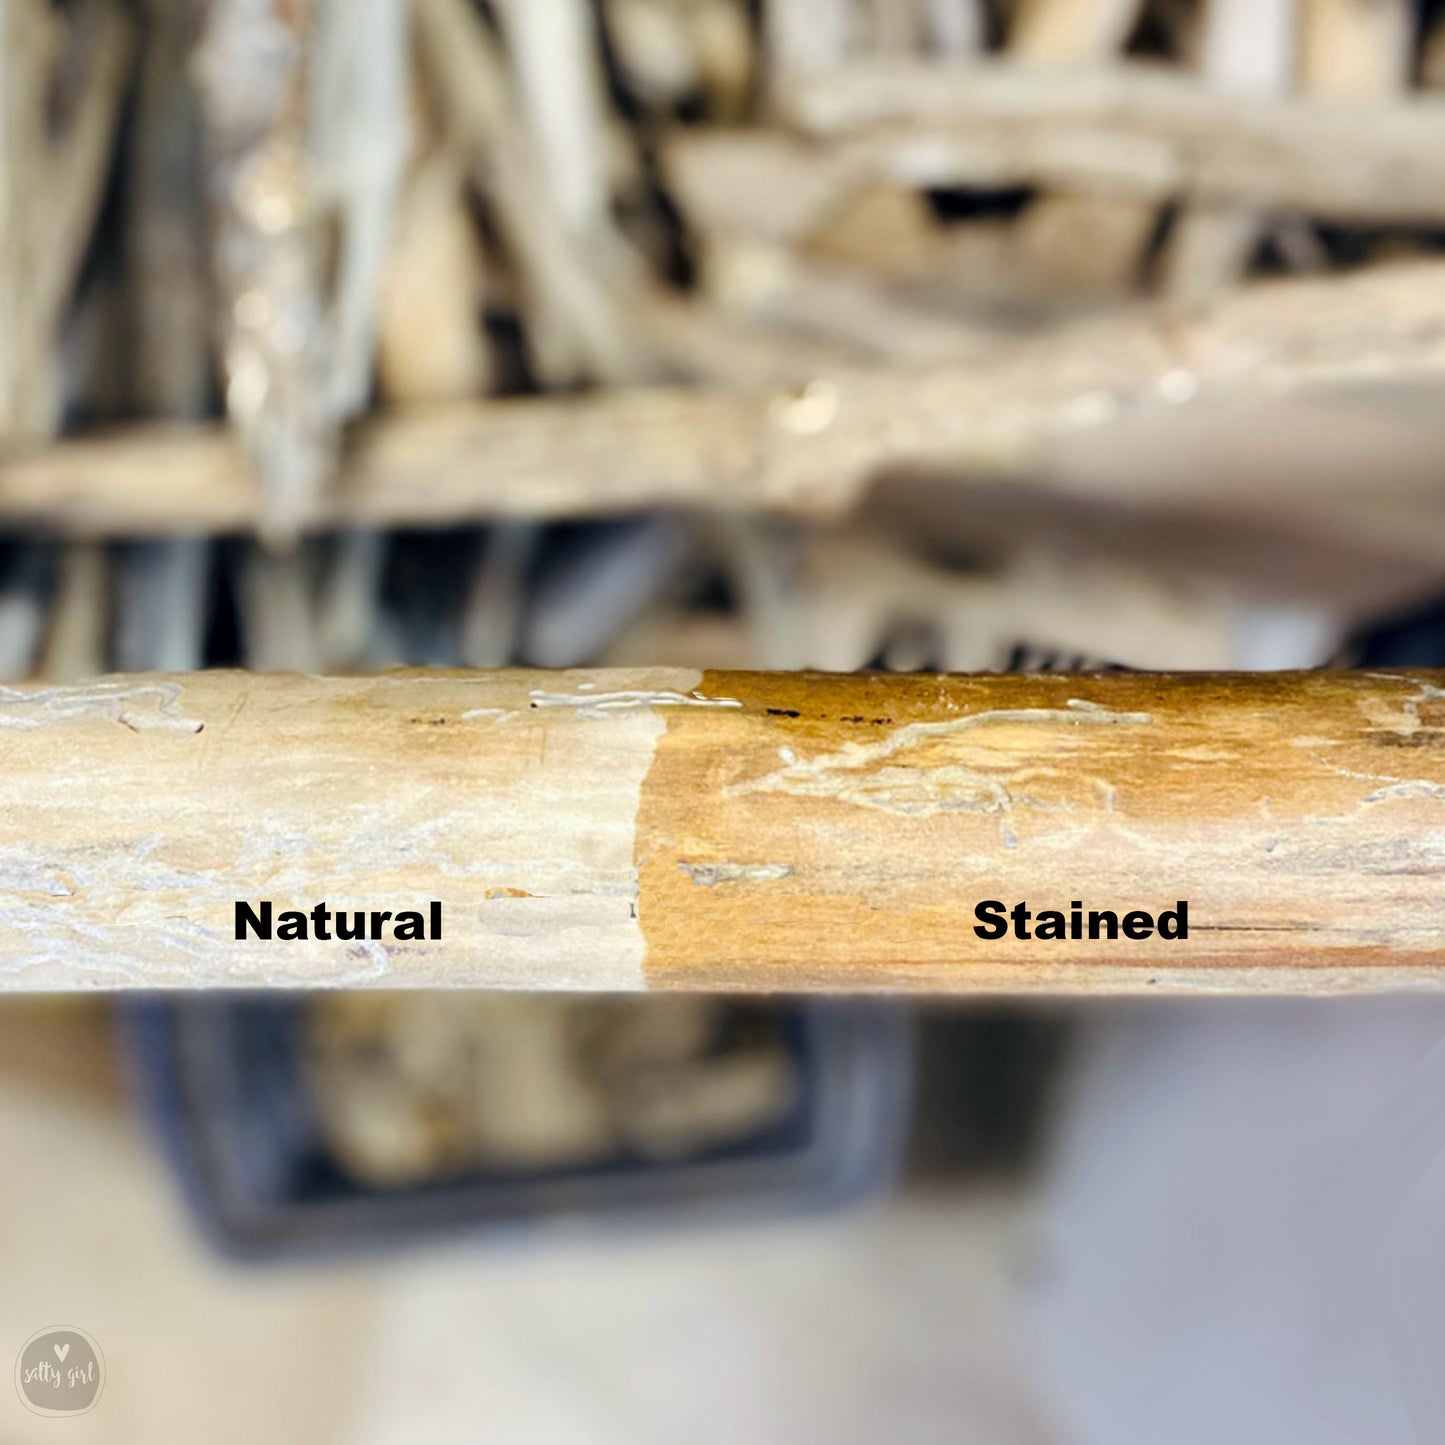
(996, 920)
(320, 922)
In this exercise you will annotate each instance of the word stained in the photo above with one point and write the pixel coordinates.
(996, 920)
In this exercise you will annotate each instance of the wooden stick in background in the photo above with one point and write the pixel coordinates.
(1247, 51)
(811, 452)
(1089, 245)
(1131, 128)
(52, 173)
(675, 829)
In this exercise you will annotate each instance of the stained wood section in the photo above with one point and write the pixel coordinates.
(673, 829)
(838, 832)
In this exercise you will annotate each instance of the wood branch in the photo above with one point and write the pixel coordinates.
(700, 343)
(809, 451)
(50, 189)
(1133, 129)
(1050, 31)
(305, 129)
(1086, 247)
(168, 290)
(552, 47)
(722, 39)
(1346, 50)
(770, 285)
(575, 309)
(430, 347)
(1356, 47)
(1247, 49)
(358, 141)
(676, 829)
(856, 588)
(267, 249)
(79, 160)
(161, 605)
(24, 606)
(75, 643)
(805, 35)
(161, 587)
(956, 27)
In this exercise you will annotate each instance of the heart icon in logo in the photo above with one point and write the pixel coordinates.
(61, 1351)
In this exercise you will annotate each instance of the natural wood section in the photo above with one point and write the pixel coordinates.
(732, 830)
(809, 451)
(142, 807)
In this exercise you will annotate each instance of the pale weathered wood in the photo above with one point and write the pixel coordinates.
(1084, 245)
(1356, 47)
(1247, 50)
(774, 286)
(52, 172)
(304, 106)
(668, 828)
(575, 314)
(811, 451)
(1135, 129)
(433, 288)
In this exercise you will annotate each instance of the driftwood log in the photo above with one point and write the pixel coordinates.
(1129, 129)
(676, 829)
(810, 450)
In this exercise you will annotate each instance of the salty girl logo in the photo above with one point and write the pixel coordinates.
(60, 1371)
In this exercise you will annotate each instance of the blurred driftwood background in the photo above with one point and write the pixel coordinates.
(914, 333)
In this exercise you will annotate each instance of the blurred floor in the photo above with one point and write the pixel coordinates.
(890, 1323)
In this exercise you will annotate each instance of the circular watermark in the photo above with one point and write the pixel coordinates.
(60, 1371)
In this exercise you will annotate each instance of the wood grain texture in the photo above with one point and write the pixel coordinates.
(672, 829)
(142, 807)
(810, 451)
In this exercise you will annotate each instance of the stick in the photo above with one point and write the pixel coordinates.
(75, 643)
(1131, 128)
(553, 52)
(1356, 47)
(304, 106)
(573, 304)
(1064, 30)
(357, 139)
(161, 586)
(1248, 49)
(50, 189)
(805, 35)
(810, 452)
(674, 829)
(1090, 244)
(771, 285)
(168, 285)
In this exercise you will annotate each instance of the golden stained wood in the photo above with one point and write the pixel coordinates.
(677, 829)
